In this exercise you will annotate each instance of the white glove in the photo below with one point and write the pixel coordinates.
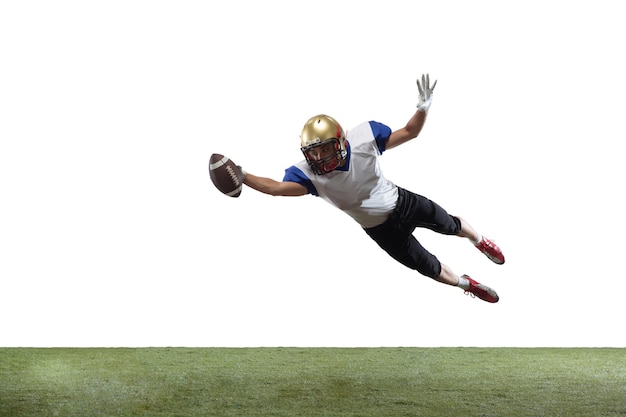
(426, 93)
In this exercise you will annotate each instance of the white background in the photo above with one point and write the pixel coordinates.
(111, 233)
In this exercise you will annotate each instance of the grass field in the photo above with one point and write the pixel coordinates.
(312, 382)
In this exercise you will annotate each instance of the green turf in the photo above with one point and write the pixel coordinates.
(312, 382)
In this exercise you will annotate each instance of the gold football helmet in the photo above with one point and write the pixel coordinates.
(323, 143)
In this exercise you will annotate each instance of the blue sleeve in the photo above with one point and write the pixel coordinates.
(381, 135)
(295, 174)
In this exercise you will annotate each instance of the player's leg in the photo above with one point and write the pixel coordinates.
(402, 246)
(413, 255)
(419, 211)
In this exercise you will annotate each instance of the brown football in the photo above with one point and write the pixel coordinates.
(226, 175)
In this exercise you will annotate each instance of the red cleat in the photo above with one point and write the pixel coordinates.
(481, 291)
(491, 250)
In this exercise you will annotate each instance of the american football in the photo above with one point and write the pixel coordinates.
(226, 175)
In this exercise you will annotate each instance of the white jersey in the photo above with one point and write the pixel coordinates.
(359, 188)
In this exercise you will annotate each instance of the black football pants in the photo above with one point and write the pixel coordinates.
(395, 235)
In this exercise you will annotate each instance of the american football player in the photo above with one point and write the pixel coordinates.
(342, 167)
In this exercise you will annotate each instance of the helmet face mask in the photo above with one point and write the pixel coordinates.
(323, 144)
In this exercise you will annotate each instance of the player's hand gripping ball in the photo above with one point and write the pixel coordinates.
(226, 175)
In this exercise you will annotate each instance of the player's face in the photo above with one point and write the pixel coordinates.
(322, 152)
(324, 157)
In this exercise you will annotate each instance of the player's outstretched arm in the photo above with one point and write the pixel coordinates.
(273, 187)
(416, 122)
